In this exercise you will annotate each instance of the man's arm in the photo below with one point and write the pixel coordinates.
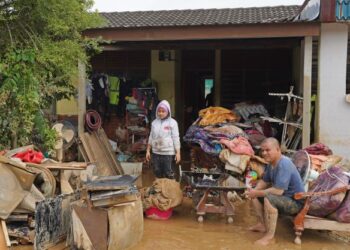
(261, 190)
(261, 185)
(273, 190)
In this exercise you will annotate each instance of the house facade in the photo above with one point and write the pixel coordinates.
(242, 53)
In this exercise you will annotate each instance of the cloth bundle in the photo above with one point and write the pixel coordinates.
(318, 149)
(324, 205)
(238, 145)
(163, 194)
(216, 115)
(322, 162)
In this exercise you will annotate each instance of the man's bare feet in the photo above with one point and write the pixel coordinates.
(264, 241)
(258, 228)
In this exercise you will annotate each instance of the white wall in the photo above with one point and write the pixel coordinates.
(163, 72)
(333, 111)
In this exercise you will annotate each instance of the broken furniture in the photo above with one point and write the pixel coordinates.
(113, 205)
(96, 148)
(303, 221)
(137, 132)
(66, 133)
(287, 140)
(213, 197)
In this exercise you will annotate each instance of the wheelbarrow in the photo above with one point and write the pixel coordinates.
(211, 194)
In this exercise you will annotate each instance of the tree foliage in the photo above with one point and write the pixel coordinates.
(40, 45)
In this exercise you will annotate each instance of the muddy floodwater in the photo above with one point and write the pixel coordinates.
(182, 231)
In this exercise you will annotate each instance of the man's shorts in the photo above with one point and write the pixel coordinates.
(285, 205)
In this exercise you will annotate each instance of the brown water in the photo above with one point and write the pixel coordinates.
(182, 231)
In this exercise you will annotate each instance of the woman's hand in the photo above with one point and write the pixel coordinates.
(148, 156)
(178, 157)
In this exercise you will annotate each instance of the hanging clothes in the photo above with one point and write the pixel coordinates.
(114, 84)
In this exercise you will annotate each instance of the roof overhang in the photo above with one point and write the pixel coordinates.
(279, 30)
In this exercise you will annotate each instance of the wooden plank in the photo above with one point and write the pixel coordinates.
(3, 245)
(86, 147)
(105, 141)
(324, 224)
(104, 167)
(66, 165)
(90, 219)
(106, 164)
(81, 238)
(17, 217)
(128, 230)
(207, 32)
(114, 200)
(82, 150)
(4, 238)
(81, 97)
(307, 75)
(99, 150)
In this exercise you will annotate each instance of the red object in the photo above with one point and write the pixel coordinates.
(155, 213)
(30, 156)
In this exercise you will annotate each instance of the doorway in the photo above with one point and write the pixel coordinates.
(197, 82)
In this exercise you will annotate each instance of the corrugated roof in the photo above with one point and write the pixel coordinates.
(342, 10)
(200, 17)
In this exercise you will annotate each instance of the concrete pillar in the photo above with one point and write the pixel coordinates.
(333, 117)
(307, 73)
(81, 97)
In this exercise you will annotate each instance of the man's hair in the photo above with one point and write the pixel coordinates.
(273, 141)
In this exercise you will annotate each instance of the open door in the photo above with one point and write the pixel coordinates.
(197, 94)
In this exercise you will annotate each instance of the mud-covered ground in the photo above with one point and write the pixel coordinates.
(182, 231)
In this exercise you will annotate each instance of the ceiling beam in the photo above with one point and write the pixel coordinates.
(206, 32)
(206, 44)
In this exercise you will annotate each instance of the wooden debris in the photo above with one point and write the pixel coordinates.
(109, 148)
(115, 200)
(49, 187)
(17, 217)
(111, 183)
(66, 165)
(85, 221)
(129, 229)
(11, 191)
(4, 237)
(97, 149)
(22, 234)
(66, 188)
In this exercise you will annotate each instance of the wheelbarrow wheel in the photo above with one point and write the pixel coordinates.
(230, 220)
(200, 219)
